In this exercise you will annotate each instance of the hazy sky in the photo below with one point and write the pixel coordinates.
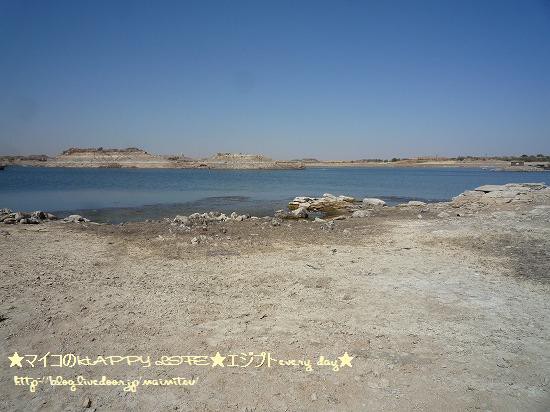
(326, 79)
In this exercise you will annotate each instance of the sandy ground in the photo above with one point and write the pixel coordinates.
(437, 313)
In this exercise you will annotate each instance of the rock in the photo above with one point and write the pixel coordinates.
(326, 204)
(75, 219)
(234, 215)
(416, 203)
(360, 213)
(517, 187)
(10, 221)
(319, 220)
(184, 220)
(276, 222)
(195, 241)
(8, 216)
(21, 215)
(5, 211)
(205, 218)
(489, 188)
(39, 215)
(372, 201)
(29, 221)
(300, 213)
(339, 218)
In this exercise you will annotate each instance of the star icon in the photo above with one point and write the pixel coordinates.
(345, 359)
(217, 360)
(16, 360)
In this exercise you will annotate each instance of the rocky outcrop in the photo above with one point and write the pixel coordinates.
(328, 204)
(109, 158)
(500, 194)
(8, 217)
(518, 187)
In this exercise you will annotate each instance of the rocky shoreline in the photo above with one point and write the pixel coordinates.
(330, 207)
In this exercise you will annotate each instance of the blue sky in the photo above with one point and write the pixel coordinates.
(326, 79)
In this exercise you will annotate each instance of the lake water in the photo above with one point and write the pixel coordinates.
(115, 195)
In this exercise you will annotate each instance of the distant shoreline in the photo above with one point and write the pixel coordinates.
(490, 165)
(140, 159)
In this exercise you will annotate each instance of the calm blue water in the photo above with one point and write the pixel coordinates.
(133, 194)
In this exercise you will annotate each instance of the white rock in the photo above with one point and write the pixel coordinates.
(490, 188)
(75, 219)
(360, 213)
(372, 201)
(416, 203)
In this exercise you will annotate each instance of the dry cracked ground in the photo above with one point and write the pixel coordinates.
(437, 313)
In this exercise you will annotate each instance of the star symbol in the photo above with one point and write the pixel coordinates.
(217, 360)
(345, 359)
(16, 360)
